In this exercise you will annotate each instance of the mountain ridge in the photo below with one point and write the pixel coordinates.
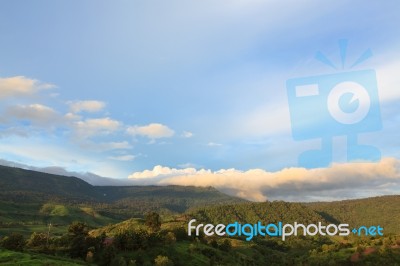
(26, 186)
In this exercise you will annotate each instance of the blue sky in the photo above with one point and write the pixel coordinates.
(120, 87)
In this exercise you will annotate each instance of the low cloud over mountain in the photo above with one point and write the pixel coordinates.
(340, 181)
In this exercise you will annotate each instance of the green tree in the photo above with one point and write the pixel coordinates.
(14, 241)
(163, 261)
(108, 255)
(226, 245)
(170, 238)
(77, 233)
(153, 221)
(37, 240)
(78, 228)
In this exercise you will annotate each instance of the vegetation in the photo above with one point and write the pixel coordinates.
(148, 226)
(384, 210)
(30, 201)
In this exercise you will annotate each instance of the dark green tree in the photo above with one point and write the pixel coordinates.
(77, 234)
(14, 241)
(153, 221)
(37, 240)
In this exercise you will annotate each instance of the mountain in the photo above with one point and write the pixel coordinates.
(27, 195)
(88, 177)
(383, 211)
(20, 186)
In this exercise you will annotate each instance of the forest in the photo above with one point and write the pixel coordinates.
(75, 225)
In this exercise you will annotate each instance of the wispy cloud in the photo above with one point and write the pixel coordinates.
(105, 146)
(127, 157)
(152, 131)
(86, 106)
(187, 134)
(37, 114)
(213, 144)
(90, 127)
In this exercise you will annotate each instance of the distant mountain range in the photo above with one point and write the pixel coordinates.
(89, 177)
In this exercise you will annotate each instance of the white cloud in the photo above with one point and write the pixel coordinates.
(187, 134)
(14, 131)
(87, 106)
(98, 126)
(127, 157)
(21, 86)
(214, 144)
(105, 146)
(71, 116)
(152, 131)
(347, 180)
(160, 171)
(189, 165)
(35, 113)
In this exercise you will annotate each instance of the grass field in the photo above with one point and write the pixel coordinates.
(13, 258)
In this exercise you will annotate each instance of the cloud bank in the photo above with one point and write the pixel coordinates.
(340, 181)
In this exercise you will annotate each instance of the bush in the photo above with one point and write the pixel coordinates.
(37, 240)
(153, 221)
(14, 241)
(163, 261)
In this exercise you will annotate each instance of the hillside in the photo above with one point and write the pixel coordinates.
(22, 185)
(268, 212)
(37, 198)
(384, 211)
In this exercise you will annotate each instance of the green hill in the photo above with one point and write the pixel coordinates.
(383, 211)
(268, 212)
(21, 185)
(30, 198)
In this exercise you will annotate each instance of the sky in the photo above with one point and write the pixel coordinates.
(193, 92)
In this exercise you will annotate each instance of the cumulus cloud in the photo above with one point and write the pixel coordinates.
(152, 131)
(340, 181)
(98, 126)
(21, 86)
(160, 171)
(86, 106)
(36, 114)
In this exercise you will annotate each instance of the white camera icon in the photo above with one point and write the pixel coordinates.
(341, 104)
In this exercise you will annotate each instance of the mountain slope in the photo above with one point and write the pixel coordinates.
(383, 211)
(267, 212)
(26, 186)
